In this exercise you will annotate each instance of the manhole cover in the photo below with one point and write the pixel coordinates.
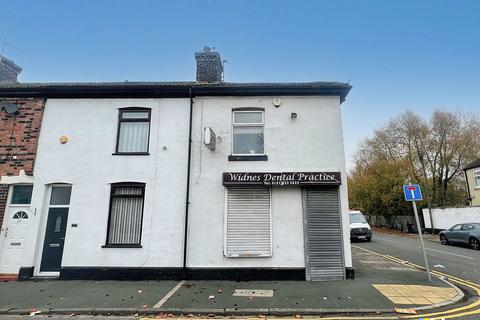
(253, 293)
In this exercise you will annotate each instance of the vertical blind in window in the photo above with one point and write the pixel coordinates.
(133, 132)
(248, 223)
(126, 211)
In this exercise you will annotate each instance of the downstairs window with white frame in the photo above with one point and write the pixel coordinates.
(248, 222)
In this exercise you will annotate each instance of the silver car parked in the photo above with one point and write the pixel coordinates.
(464, 233)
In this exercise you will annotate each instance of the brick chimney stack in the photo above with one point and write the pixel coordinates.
(209, 65)
(9, 71)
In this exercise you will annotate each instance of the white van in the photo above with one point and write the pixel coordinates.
(359, 227)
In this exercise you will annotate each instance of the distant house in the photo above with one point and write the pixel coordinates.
(472, 175)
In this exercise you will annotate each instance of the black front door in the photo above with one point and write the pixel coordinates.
(54, 239)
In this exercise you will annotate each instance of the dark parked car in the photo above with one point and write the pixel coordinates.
(464, 233)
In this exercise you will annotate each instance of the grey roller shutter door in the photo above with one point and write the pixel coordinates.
(323, 232)
(248, 223)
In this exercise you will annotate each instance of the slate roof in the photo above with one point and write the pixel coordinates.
(34, 85)
(315, 84)
(473, 164)
(171, 89)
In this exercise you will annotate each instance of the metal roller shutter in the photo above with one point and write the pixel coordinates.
(248, 223)
(324, 247)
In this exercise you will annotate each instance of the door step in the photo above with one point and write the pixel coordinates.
(8, 277)
(37, 278)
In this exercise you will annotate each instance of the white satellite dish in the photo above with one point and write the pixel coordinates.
(9, 108)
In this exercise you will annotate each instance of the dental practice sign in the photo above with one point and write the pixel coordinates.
(281, 178)
(412, 192)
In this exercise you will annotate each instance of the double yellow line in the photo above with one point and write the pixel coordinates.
(447, 314)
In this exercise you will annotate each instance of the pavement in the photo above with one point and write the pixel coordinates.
(380, 286)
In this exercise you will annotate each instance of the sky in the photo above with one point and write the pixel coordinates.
(398, 55)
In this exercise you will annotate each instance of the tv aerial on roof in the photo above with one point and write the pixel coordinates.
(9, 108)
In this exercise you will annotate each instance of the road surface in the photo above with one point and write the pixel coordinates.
(458, 261)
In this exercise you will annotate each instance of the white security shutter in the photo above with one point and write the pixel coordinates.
(248, 223)
(324, 248)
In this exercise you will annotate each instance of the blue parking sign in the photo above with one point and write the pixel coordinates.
(412, 192)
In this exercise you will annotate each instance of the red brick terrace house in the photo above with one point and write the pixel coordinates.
(20, 120)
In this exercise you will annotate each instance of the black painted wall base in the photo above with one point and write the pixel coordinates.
(25, 273)
(349, 273)
(233, 274)
(245, 274)
(120, 273)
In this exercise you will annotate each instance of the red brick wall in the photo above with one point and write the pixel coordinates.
(19, 135)
(18, 141)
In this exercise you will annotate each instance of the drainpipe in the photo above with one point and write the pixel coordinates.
(468, 188)
(187, 200)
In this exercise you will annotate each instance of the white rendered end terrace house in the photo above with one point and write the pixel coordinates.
(195, 180)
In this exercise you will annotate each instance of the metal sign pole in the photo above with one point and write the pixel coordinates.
(419, 229)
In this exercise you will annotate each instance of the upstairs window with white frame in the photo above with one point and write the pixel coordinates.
(133, 131)
(248, 130)
(476, 179)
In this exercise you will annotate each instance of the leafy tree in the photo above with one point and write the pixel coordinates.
(374, 186)
(411, 149)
